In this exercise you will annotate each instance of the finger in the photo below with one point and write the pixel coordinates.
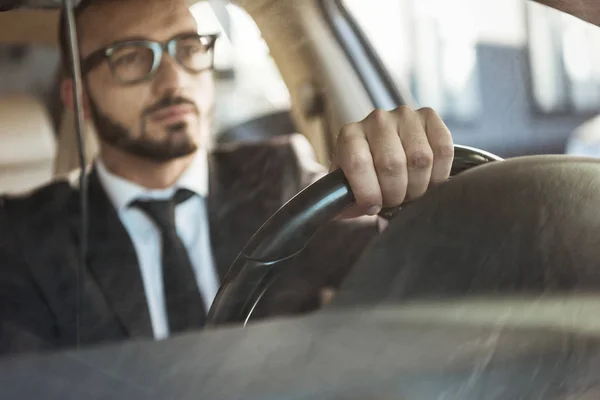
(440, 141)
(388, 156)
(355, 160)
(419, 155)
(326, 295)
(351, 212)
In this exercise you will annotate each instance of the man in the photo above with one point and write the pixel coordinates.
(168, 216)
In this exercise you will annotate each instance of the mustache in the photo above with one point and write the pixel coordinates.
(168, 102)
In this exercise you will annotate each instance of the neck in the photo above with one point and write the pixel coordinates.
(146, 173)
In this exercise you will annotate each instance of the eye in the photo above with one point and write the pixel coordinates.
(190, 49)
(130, 58)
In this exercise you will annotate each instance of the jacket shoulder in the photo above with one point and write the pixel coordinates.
(40, 204)
(280, 143)
(286, 153)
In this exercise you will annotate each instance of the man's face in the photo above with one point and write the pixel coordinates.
(163, 118)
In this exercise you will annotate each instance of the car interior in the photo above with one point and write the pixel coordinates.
(482, 289)
(28, 143)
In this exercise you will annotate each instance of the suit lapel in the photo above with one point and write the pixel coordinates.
(228, 210)
(245, 188)
(218, 221)
(113, 262)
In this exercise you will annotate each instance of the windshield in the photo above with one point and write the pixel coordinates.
(213, 240)
(503, 75)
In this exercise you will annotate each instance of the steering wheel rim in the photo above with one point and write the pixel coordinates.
(289, 230)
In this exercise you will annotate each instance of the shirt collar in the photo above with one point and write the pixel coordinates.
(122, 192)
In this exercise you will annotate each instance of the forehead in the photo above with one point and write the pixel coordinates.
(116, 20)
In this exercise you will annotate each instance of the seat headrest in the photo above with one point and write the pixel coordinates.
(27, 143)
(26, 131)
(523, 226)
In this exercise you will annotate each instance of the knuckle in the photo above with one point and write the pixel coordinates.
(403, 111)
(444, 151)
(420, 159)
(427, 112)
(356, 162)
(379, 116)
(390, 164)
(346, 132)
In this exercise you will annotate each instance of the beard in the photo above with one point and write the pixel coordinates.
(144, 146)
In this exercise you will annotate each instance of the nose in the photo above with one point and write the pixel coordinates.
(170, 76)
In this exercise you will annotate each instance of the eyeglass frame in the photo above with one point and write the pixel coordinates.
(158, 49)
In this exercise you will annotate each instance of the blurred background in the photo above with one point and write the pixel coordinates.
(509, 76)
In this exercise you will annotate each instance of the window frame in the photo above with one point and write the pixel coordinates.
(373, 74)
(567, 106)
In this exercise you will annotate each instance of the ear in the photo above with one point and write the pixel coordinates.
(68, 98)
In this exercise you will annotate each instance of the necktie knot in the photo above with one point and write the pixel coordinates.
(162, 212)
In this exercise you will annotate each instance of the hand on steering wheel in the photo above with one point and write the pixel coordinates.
(392, 156)
(288, 231)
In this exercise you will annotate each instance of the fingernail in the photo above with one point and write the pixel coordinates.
(374, 210)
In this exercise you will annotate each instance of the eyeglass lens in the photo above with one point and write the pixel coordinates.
(135, 61)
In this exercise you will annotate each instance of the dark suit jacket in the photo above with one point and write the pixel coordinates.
(39, 244)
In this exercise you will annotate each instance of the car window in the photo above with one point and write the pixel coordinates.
(249, 84)
(428, 46)
(565, 61)
(514, 77)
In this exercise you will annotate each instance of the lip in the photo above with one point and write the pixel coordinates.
(173, 113)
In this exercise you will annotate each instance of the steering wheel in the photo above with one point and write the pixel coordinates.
(287, 233)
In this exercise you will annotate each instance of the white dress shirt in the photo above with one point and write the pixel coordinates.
(191, 220)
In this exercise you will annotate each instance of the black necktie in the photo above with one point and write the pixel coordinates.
(185, 308)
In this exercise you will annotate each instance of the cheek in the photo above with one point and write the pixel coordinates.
(204, 88)
(122, 104)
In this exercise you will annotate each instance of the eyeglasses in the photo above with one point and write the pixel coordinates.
(138, 60)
